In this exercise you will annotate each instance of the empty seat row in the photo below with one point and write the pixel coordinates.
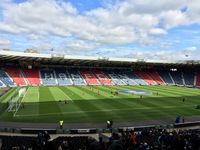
(12, 76)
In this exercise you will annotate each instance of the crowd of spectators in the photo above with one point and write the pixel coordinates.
(147, 139)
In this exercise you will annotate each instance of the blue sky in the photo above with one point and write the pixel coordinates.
(113, 28)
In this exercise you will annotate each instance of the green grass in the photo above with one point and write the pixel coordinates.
(42, 104)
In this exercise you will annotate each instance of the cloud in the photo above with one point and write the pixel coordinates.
(4, 43)
(173, 18)
(157, 31)
(80, 45)
(117, 23)
(186, 54)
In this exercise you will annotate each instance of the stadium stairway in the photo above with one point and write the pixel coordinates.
(103, 79)
(63, 77)
(1, 84)
(156, 77)
(32, 75)
(197, 83)
(89, 77)
(145, 77)
(6, 79)
(16, 75)
(48, 77)
(177, 77)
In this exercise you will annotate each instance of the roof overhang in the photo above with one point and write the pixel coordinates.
(60, 59)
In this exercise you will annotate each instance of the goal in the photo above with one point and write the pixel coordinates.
(16, 99)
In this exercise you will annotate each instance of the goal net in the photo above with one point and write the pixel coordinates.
(16, 99)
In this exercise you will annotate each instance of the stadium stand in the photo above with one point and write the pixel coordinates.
(32, 75)
(16, 75)
(76, 77)
(114, 77)
(197, 83)
(146, 139)
(188, 77)
(63, 77)
(166, 77)
(103, 79)
(145, 77)
(156, 77)
(48, 77)
(72, 143)
(177, 77)
(89, 77)
(5, 79)
(17, 143)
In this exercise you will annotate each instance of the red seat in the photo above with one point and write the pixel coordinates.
(103, 79)
(156, 77)
(145, 77)
(32, 76)
(89, 77)
(16, 75)
(198, 79)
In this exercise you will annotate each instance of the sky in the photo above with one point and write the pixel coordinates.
(139, 29)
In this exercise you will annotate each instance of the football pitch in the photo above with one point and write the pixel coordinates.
(96, 104)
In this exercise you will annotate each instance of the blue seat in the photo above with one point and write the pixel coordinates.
(5, 79)
(48, 77)
(76, 77)
(189, 77)
(63, 77)
(165, 76)
(177, 77)
(136, 79)
(115, 78)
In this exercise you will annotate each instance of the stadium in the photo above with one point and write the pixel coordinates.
(99, 75)
(85, 92)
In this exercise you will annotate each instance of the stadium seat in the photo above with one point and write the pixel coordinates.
(47, 77)
(177, 77)
(156, 77)
(89, 77)
(5, 79)
(188, 77)
(16, 75)
(103, 79)
(166, 77)
(115, 78)
(126, 77)
(32, 75)
(76, 77)
(63, 77)
(136, 79)
(145, 77)
(197, 79)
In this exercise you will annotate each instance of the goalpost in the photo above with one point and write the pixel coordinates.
(16, 99)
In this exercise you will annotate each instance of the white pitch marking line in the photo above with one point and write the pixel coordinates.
(65, 95)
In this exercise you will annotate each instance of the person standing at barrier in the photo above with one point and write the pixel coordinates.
(61, 124)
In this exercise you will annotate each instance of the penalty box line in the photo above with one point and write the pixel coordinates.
(103, 110)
